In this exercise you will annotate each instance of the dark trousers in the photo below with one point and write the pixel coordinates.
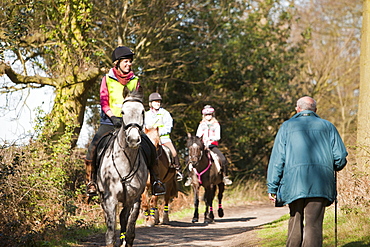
(104, 129)
(305, 223)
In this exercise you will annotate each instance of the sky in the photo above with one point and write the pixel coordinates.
(19, 112)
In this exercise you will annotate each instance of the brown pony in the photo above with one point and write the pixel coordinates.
(167, 174)
(204, 173)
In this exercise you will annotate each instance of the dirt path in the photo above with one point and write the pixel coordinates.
(234, 229)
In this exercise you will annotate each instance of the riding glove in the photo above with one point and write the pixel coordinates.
(117, 121)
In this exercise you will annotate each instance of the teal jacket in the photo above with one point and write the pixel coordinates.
(306, 152)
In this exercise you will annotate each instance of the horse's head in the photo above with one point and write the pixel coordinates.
(133, 116)
(153, 135)
(195, 148)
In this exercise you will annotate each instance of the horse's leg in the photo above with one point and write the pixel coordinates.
(209, 194)
(196, 203)
(109, 206)
(123, 219)
(166, 218)
(153, 217)
(221, 189)
(145, 203)
(130, 234)
(211, 197)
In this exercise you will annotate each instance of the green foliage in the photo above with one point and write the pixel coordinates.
(237, 58)
(38, 189)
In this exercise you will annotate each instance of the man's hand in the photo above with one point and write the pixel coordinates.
(272, 197)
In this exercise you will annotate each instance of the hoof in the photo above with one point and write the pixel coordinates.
(165, 219)
(220, 212)
(150, 221)
(194, 220)
(208, 221)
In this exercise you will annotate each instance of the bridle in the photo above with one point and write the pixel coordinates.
(130, 126)
(127, 128)
(192, 165)
(194, 159)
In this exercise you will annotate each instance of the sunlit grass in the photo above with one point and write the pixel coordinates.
(353, 229)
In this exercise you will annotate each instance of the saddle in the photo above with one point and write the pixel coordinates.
(147, 148)
(102, 146)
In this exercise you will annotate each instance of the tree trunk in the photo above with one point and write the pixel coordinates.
(363, 125)
(69, 109)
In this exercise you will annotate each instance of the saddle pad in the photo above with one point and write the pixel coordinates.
(102, 146)
(216, 161)
(168, 154)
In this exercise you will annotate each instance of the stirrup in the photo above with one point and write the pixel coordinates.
(91, 189)
(158, 188)
(227, 181)
(179, 176)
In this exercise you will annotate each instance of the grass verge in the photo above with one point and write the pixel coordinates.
(353, 229)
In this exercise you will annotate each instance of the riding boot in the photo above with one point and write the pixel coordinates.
(226, 178)
(91, 187)
(152, 163)
(157, 186)
(179, 176)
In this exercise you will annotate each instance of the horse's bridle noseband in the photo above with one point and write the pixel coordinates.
(133, 125)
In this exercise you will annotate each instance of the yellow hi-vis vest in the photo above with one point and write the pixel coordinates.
(115, 90)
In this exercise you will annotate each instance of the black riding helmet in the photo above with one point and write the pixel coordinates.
(122, 52)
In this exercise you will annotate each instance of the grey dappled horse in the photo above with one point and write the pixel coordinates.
(123, 172)
(204, 173)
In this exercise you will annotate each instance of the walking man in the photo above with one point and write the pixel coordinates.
(306, 153)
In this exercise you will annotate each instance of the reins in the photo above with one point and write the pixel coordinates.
(132, 172)
(133, 169)
(199, 175)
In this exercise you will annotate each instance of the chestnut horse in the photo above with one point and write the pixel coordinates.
(204, 173)
(167, 174)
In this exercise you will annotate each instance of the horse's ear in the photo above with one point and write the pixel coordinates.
(140, 92)
(189, 135)
(126, 92)
(200, 138)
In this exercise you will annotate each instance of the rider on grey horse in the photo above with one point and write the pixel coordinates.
(111, 99)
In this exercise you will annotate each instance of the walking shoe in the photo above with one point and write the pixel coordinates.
(188, 181)
(179, 176)
(227, 181)
(158, 188)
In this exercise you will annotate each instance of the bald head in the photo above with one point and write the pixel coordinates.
(306, 103)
